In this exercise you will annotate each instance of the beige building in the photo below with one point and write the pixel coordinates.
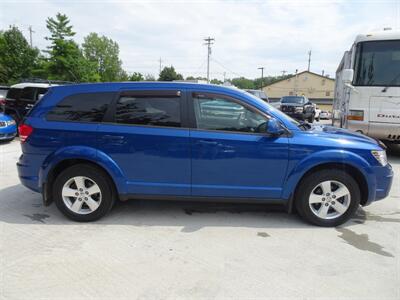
(319, 89)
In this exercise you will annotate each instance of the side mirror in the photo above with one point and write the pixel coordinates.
(347, 76)
(274, 128)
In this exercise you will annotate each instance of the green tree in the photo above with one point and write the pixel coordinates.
(169, 74)
(149, 77)
(17, 58)
(216, 81)
(104, 54)
(243, 83)
(136, 76)
(66, 61)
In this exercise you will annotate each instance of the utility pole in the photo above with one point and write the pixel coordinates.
(262, 77)
(224, 77)
(160, 61)
(309, 60)
(209, 42)
(30, 34)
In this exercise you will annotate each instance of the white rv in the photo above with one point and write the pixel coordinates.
(367, 91)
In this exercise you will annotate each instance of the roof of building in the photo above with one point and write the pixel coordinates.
(309, 72)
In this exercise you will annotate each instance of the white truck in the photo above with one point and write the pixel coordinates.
(367, 91)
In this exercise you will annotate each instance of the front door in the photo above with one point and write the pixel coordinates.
(146, 139)
(230, 157)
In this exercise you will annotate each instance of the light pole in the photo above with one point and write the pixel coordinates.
(209, 42)
(262, 77)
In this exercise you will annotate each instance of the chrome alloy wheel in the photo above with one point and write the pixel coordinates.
(81, 195)
(329, 199)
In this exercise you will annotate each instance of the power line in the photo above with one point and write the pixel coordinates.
(209, 42)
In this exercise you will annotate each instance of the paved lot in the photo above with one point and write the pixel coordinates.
(158, 250)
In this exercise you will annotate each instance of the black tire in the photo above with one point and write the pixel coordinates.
(307, 186)
(317, 119)
(311, 119)
(95, 174)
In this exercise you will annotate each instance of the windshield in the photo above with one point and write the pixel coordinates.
(377, 64)
(292, 99)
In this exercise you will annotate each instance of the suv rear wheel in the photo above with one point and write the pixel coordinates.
(83, 193)
(327, 197)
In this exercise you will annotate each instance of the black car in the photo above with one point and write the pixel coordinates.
(298, 107)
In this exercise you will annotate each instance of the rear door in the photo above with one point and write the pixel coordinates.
(146, 136)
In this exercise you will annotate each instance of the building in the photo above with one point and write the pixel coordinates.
(319, 89)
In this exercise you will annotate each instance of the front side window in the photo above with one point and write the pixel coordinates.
(149, 110)
(377, 63)
(220, 113)
(89, 107)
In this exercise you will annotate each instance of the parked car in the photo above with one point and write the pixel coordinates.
(259, 94)
(298, 107)
(317, 113)
(85, 146)
(325, 115)
(3, 93)
(22, 97)
(8, 128)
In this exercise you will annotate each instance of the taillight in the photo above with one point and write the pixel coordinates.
(2, 101)
(24, 132)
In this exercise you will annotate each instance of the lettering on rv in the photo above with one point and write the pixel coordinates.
(388, 116)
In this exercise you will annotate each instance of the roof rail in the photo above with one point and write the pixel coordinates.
(49, 81)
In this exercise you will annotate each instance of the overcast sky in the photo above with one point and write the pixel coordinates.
(248, 34)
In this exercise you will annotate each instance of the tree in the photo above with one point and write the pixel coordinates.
(136, 76)
(216, 81)
(66, 61)
(169, 74)
(149, 77)
(17, 58)
(243, 83)
(104, 54)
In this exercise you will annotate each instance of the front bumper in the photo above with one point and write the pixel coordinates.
(383, 178)
(8, 132)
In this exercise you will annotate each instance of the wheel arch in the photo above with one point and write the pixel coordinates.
(67, 157)
(349, 162)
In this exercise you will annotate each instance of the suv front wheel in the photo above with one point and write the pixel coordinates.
(83, 193)
(327, 197)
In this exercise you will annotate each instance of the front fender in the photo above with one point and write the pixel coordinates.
(326, 157)
(84, 153)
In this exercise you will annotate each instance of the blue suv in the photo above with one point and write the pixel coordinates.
(85, 146)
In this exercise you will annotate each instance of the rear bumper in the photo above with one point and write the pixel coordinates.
(28, 167)
(383, 183)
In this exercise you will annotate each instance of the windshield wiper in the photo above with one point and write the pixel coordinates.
(390, 83)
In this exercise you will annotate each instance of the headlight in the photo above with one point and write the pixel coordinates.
(380, 156)
(9, 123)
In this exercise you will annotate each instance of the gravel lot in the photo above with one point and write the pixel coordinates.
(159, 250)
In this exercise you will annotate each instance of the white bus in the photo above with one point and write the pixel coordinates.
(367, 91)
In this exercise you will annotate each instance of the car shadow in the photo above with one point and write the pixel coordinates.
(19, 205)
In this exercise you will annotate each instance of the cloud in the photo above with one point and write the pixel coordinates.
(248, 34)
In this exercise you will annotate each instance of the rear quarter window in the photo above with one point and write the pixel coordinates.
(88, 107)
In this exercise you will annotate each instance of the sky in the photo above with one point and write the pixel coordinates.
(276, 35)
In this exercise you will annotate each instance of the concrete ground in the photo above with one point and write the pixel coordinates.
(158, 250)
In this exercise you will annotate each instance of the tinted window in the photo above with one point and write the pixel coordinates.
(378, 63)
(292, 99)
(28, 94)
(81, 107)
(149, 110)
(14, 93)
(214, 113)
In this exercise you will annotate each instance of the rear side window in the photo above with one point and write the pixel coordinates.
(149, 110)
(89, 107)
(13, 93)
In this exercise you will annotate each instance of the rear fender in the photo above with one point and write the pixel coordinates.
(84, 153)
